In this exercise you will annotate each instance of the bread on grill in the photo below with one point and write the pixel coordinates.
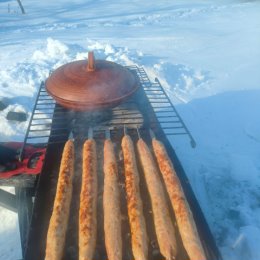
(59, 219)
(183, 214)
(139, 238)
(164, 228)
(111, 204)
(88, 202)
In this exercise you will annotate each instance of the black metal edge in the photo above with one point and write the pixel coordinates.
(24, 210)
(205, 233)
(52, 161)
(32, 249)
(52, 152)
(30, 121)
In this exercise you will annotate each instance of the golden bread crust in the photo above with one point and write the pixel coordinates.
(183, 214)
(59, 219)
(88, 202)
(163, 225)
(111, 204)
(134, 203)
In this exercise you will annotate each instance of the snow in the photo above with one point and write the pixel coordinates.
(205, 53)
(9, 234)
(224, 167)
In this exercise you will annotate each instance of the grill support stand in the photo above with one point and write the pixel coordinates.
(21, 203)
(8, 200)
(24, 210)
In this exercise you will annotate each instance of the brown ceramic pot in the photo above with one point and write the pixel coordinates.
(87, 85)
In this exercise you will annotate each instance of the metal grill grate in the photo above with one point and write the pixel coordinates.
(41, 123)
(167, 115)
(51, 123)
(148, 108)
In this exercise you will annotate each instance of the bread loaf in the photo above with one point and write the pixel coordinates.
(163, 225)
(183, 214)
(111, 204)
(88, 202)
(139, 238)
(59, 219)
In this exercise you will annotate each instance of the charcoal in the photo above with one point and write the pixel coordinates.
(16, 116)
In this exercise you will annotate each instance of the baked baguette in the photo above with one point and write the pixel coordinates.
(88, 202)
(59, 219)
(134, 203)
(163, 225)
(183, 214)
(111, 204)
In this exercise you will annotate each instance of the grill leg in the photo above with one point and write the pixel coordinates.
(24, 210)
(8, 200)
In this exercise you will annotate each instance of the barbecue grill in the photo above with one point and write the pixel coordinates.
(50, 124)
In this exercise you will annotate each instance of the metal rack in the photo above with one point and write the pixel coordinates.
(41, 123)
(45, 126)
(148, 108)
(166, 113)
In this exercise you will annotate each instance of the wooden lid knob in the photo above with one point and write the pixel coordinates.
(91, 61)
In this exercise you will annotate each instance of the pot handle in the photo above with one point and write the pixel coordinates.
(91, 61)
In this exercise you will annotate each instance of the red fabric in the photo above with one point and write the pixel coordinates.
(23, 167)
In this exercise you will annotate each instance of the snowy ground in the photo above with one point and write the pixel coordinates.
(206, 55)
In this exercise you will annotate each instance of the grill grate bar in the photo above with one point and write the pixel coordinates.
(47, 124)
(167, 110)
(48, 98)
(43, 113)
(152, 89)
(44, 118)
(171, 116)
(49, 129)
(46, 103)
(172, 127)
(171, 134)
(46, 136)
(40, 130)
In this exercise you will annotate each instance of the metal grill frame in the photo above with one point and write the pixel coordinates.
(43, 124)
(146, 118)
(163, 107)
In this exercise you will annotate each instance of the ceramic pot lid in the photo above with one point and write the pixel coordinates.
(91, 84)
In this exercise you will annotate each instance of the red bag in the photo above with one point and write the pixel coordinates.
(33, 158)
